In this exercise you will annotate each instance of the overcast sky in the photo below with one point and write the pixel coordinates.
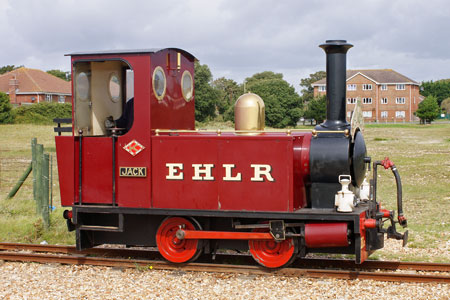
(235, 38)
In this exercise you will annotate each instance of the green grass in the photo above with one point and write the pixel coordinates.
(18, 219)
(420, 152)
(422, 157)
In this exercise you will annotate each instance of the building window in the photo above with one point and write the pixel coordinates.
(351, 100)
(351, 87)
(322, 88)
(400, 100)
(367, 114)
(61, 99)
(367, 87)
(384, 87)
(400, 87)
(384, 114)
(349, 114)
(367, 100)
(48, 97)
(400, 114)
(384, 101)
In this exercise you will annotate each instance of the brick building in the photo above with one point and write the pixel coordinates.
(386, 96)
(29, 86)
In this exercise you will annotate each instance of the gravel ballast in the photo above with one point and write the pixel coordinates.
(40, 281)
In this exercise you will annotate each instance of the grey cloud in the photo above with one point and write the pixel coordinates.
(234, 38)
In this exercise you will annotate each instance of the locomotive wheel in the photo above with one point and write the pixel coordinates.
(172, 248)
(272, 254)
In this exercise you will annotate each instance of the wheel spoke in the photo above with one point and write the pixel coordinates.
(272, 254)
(172, 248)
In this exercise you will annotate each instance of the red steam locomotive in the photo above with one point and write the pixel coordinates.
(135, 171)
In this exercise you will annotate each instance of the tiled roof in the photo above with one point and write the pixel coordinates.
(378, 75)
(34, 81)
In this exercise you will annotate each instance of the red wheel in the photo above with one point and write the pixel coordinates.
(172, 248)
(272, 254)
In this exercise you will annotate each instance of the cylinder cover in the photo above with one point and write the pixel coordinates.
(324, 235)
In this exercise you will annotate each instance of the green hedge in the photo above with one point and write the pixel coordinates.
(42, 113)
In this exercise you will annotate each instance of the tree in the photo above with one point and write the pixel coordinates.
(428, 110)
(439, 89)
(283, 104)
(228, 91)
(206, 96)
(305, 83)
(317, 109)
(6, 112)
(8, 68)
(445, 105)
(60, 74)
(266, 75)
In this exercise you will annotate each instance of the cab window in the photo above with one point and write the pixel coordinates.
(101, 92)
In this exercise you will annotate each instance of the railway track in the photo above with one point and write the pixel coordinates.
(316, 268)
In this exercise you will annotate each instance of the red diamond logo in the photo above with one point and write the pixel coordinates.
(133, 147)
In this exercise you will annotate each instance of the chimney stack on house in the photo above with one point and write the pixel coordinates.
(13, 88)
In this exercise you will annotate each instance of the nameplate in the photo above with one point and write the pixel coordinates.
(133, 172)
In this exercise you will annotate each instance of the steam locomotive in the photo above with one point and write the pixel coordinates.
(135, 171)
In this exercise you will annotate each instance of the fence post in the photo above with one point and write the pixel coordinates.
(45, 189)
(39, 181)
(33, 165)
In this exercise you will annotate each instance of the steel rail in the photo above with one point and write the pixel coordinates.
(203, 267)
(243, 259)
(374, 265)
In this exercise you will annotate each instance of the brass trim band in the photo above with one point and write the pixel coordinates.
(220, 131)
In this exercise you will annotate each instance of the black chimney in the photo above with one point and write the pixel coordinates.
(336, 51)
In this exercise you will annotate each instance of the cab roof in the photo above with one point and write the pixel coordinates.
(130, 51)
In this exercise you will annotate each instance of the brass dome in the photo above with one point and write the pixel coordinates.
(249, 113)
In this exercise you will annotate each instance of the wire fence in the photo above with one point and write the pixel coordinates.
(17, 182)
(10, 171)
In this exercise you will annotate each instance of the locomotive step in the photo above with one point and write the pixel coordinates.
(102, 228)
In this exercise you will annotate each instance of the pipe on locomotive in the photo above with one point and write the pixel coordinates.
(336, 52)
(387, 164)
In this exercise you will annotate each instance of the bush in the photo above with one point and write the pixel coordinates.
(6, 112)
(42, 113)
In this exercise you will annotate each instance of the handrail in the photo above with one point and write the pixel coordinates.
(60, 121)
(220, 131)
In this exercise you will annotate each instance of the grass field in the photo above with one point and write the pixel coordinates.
(420, 152)
(422, 156)
(18, 219)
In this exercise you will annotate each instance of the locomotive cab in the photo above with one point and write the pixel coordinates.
(118, 97)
